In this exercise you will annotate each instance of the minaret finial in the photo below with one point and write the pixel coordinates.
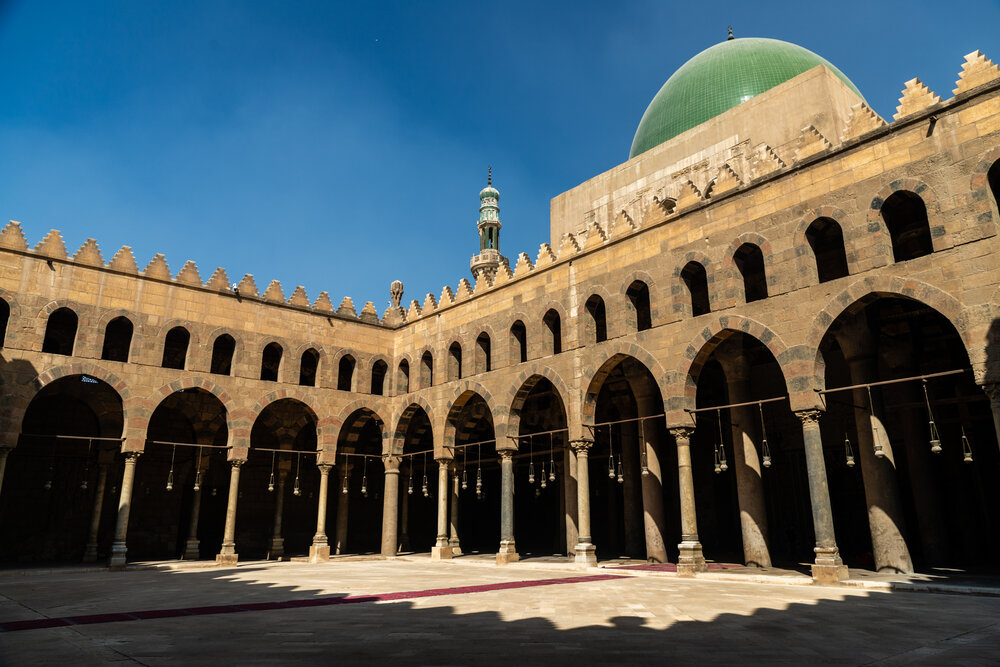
(489, 175)
(730, 34)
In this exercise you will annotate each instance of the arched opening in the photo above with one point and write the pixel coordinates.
(175, 347)
(484, 361)
(270, 362)
(749, 261)
(553, 329)
(4, 318)
(179, 521)
(597, 325)
(276, 514)
(345, 373)
(403, 377)
(696, 279)
(632, 489)
(418, 477)
(542, 506)
(471, 422)
(426, 370)
(117, 340)
(379, 369)
(308, 367)
(905, 216)
(993, 178)
(60, 332)
(916, 498)
(362, 483)
(56, 488)
(222, 355)
(638, 296)
(518, 342)
(455, 361)
(755, 508)
(826, 239)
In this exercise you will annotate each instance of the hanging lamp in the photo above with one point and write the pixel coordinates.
(296, 491)
(848, 451)
(465, 474)
(170, 475)
(543, 481)
(935, 437)
(347, 475)
(721, 463)
(876, 444)
(197, 472)
(423, 487)
(643, 455)
(409, 478)
(364, 476)
(765, 450)
(531, 461)
(966, 448)
(479, 472)
(552, 463)
(270, 481)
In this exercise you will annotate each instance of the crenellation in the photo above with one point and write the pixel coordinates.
(89, 254)
(219, 281)
(13, 237)
(299, 297)
(52, 246)
(346, 308)
(157, 268)
(124, 261)
(323, 303)
(447, 296)
(545, 255)
(247, 286)
(568, 246)
(810, 143)
(464, 290)
(861, 121)
(430, 303)
(274, 293)
(916, 97)
(188, 275)
(977, 70)
(368, 313)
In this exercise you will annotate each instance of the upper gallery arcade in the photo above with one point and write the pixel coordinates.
(771, 336)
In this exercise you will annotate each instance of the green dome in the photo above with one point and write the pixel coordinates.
(719, 78)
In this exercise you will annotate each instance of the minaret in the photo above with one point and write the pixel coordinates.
(489, 259)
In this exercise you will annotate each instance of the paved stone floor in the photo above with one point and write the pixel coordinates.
(473, 613)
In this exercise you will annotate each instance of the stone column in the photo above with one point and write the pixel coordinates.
(227, 555)
(508, 550)
(992, 390)
(828, 567)
(691, 560)
(632, 495)
(885, 510)
(654, 518)
(340, 544)
(404, 513)
(192, 547)
(319, 552)
(442, 549)
(124, 505)
(453, 541)
(585, 552)
(90, 551)
(390, 505)
(277, 549)
(568, 480)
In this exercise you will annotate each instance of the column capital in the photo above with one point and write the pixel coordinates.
(581, 444)
(236, 463)
(810, 416)
(443, 460)
(324, 468)
(133, 455)
(507, 454)
(992, 390)
(391, 462)
(681, 432)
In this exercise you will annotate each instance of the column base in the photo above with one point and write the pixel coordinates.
(507, 553)
(319, 553)
(456, 549)
(227, 556)
(829, 568)
(117, 561)
(192, 550)
(441, 553)
(691, 560)
(277, 549)
(585, 555)
(90, 553)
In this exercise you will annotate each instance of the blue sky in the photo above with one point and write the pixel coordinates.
(343, 145)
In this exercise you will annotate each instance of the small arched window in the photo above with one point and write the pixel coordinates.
(750, 263)
(403, 377)
(117, 339)
(518, 342)
(175, 348)
(484, 362)
(905, 217)
(4, 318)
(553, 325)
(222, 355)
(308, 367)
(270, 362)
(426, 370)
(694, 276)
(598, 324)
(379, 369)
(345, 373)
(455, 361)
(827, 242)
(638, 296)
(60, 332)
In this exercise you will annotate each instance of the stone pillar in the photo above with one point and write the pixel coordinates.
(319, 552)
(442, 549)
(404, 514)
(192, 547)
(390, 505)
(585, 552)
(632, 494)
(992, 390)
(340, 544)
(124, 505)
(691, 559)
(654, 518)
(90, 551)
(227, 555)
(508, 550)
(828, 567)
(453, 541)
(568, 480)
(277, 549)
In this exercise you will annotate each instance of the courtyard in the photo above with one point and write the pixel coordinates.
(416, 611)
